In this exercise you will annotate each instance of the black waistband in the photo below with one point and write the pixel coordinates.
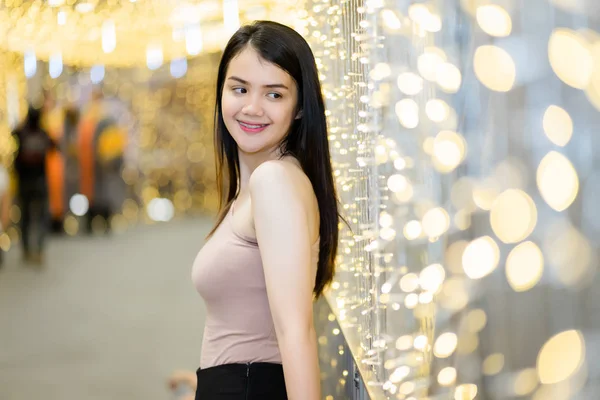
(243, 367)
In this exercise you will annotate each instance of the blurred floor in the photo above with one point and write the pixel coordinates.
(106, 318)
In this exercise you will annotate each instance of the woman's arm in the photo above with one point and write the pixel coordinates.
(282, 231)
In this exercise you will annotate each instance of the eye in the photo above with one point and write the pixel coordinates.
(240, 90)
(274, 95)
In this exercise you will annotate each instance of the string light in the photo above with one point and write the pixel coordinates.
(440, 213)
(466, 207)
(81, 32)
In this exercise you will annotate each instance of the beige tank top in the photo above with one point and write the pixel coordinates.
(228, 274)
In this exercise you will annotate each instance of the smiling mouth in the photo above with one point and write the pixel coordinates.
(252, 126)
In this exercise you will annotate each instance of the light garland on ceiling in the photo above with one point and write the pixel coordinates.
(124, 33)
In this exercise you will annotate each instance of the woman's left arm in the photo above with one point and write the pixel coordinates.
(282, 231)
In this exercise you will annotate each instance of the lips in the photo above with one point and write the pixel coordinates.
(252, 128)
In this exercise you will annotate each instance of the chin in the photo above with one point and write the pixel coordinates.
(250, 148)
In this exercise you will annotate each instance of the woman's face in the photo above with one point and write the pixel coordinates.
(258, 102)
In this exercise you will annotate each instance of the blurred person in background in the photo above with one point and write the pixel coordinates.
(101, 143)
(70, 152)
(53, 122)
(4, 204)
(34, 145)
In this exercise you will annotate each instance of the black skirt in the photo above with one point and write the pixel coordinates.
(252, 381)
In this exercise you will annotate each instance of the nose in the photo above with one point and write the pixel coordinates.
(253, 107)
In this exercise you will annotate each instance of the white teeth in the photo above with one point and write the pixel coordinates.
(251, 126)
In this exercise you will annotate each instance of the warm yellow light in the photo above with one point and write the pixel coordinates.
(435, 222)
(485, 193)
(385, 220)
(407, 111)
(525, 382)
(407, 387)
(399, 374)
(455, 296)
(84, 7)
(432, 277)
(433, 23)
(561, 357)
(397, 183)
(448, 77)
(429, 61)
(390, 19)
(410, 83)
(420, 342)
(593, 88)
(418, 13)
(558, 125)
(380, 71)
(569, 253)
(476, 320)
(467, 344)
(401, 187)
(447, 376)
(462, 219)
(400, 164)
(557, 181)
(570, 57)
(445, 345)
(560, 391)
(469, 6)
(494, 68)
(428, 145)
(465, 392)
(494, 20)
(437, 110)
(4, 242)
(513, 216)
(412, 230)
(411, 301)
(449, 150)
(524, 266)
(387, 234)
(409, 282)
(493, 364)
(480, 257)
(404, 343)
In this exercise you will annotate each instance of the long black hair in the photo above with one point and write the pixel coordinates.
(306, 141)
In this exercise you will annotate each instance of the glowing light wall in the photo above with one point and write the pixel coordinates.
(465, 148)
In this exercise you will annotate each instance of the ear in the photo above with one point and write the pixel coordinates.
(299, 115)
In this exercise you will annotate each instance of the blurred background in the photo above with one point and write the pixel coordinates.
(103, 214)
(465, 147)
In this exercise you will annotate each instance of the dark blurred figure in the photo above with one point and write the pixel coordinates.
(101, 143)
(4, 204)
(53, 122)
(34, 144)
(71, 175)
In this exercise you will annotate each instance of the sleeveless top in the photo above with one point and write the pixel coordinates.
(228, 274)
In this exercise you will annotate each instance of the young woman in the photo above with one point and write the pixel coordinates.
(273, 247)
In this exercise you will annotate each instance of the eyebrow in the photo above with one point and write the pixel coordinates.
(270, 86)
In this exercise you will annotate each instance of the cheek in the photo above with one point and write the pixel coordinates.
(228, 105)
(285, 113)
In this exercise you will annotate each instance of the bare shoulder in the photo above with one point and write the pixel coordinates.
(281, 188)
(280, 175)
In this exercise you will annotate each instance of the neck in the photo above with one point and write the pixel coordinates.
(249, 162)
